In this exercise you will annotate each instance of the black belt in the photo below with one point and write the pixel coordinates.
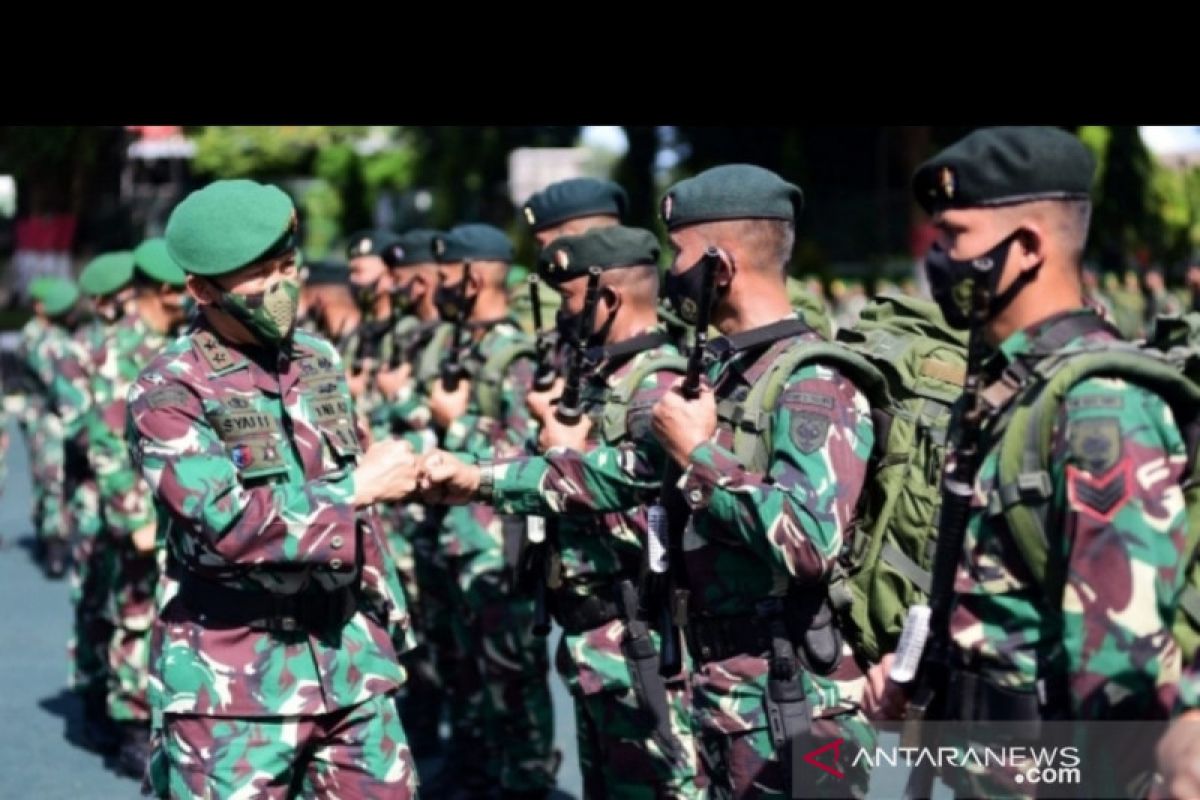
(807, 622)
(313, 610)
(579, 613)
(719, 638)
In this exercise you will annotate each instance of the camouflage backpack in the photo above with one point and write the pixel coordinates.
(910, 365)
(1169, 366)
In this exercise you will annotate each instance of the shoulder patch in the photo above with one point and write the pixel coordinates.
(167, 396)
(1095, 444)
(810, 428)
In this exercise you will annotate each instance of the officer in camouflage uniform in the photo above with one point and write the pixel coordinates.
(1020, 197)
(596, 475)
(45, 335)
(273, 663)
(759, 547)
(482, 411)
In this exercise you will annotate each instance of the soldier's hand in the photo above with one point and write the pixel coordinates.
(1179, 759)
(144, 538)
(358, 381)
(557, 434)
(391, 381)
(539, 403)
(387, 471)
(446, 480)
(883, 698)
(681, 425)
(446, 406)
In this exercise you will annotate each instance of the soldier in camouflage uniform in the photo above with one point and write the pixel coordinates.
(402, 412)
(107, 281)
(369, 345)
(43, 336)
(155, 312)
(273, 664)
(597, 474)
(1020, 197)
(326, 307)
(482, 411)
(758, 549)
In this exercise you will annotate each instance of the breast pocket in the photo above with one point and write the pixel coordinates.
(332, 415)
(254, 442)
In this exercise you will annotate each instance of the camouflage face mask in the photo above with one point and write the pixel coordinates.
(269, 315)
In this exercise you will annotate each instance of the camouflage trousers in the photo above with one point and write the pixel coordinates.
(131, 611)
(423, 694)
(494, 628)
(352, 753)
(621, 755)
(92, 566)
(44, 439)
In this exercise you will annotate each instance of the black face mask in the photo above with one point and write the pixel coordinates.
(683, 291)
(952, 282)
(450, 302)
(402, 298)
(364, 294)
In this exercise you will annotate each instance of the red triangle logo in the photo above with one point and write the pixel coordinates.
(836, 746)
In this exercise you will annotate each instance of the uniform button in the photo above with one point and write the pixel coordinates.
(696, 496)
(335, 563)
(336, 542)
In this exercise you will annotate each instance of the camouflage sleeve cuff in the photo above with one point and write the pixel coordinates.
(709, 467)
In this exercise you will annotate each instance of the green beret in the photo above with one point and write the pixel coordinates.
(39, 285)
(412, 247)
(1002, 166)
(569, 257)
(228, 225)
(152, 259)
(732, 191)
(107, 273)
(58, 296)
(574, 198)
(473, 242)
(374, 242)
(326, 273)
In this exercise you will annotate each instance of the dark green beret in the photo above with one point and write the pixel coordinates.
(473, 242)
(373, 242)
(412, 247)
(58, 296)
(569, 257)
(574, 198)
(152, 259)
(228, 225)
(326, 273)
(1002, 166)
(732, 191)
(107, 273)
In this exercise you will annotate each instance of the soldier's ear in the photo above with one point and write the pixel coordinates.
(202, 290)
(1030, 250)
